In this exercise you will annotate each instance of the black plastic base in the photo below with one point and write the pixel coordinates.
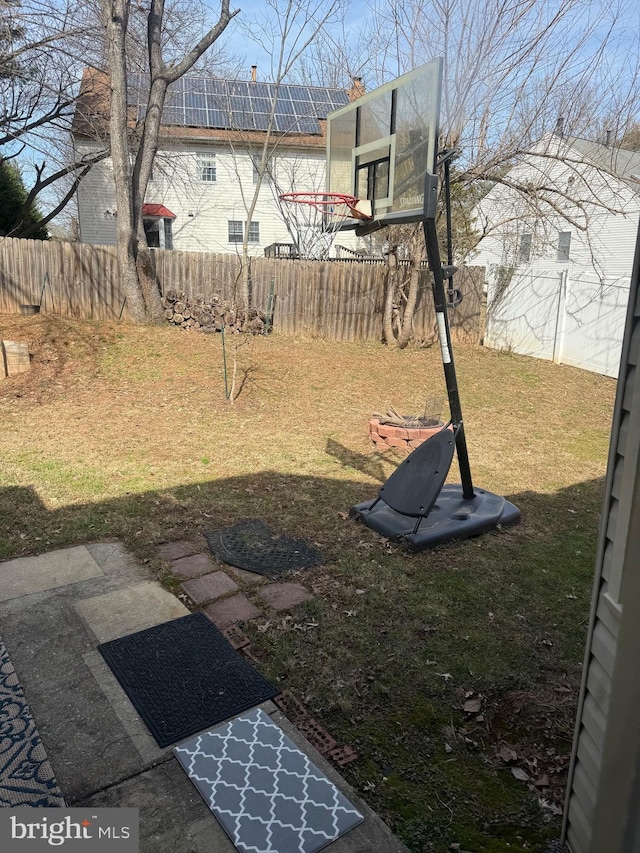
(451, 517)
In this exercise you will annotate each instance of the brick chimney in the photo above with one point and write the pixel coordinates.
(254, 73)
(357, 89)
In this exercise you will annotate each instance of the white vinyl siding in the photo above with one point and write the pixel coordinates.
(203, 209)
(601, 812)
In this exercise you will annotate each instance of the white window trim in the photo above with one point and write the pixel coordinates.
(239, 232)
(206, 163)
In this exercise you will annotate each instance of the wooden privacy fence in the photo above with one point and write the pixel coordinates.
(338, 301)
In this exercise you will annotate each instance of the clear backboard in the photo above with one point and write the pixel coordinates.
(381, 146)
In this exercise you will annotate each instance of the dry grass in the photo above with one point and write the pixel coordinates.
(124, 432)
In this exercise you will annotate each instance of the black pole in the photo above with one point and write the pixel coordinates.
(440, 303)
(447, 201)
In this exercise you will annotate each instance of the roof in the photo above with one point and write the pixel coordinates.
(299, 119)
(157, 210)
(241, 105)
(623, 163)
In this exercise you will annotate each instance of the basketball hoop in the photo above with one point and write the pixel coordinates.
(317, 218)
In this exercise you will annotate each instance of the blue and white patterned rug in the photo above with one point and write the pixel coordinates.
(265, 792)
(26, 776)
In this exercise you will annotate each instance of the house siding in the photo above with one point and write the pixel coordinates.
(601, 813)
(570, 311)
(203, 209)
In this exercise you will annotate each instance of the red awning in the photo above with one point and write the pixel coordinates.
(157, 210)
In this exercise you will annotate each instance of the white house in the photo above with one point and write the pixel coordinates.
(559, 256)
(205, 170)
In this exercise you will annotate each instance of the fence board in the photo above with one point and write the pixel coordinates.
(337, 300)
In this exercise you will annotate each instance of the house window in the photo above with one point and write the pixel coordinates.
(235, 231)
(168, 234)
(524, 250)
(564, 245)
(207, 168)
(254, 232)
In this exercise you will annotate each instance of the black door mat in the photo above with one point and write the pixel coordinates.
(26, 776)
(183, 676)
(254, 546)
(265, 792)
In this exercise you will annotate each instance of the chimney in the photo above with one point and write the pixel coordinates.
(357, 90)
(559, 131)
(254, 73)
(607, 141)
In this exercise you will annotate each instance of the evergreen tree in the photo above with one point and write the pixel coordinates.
(13, 221)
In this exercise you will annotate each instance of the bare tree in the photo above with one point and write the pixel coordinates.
(510, 70)
(134, 257)
(40, 46)
(285, 30)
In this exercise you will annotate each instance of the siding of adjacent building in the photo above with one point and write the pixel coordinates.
(603, 797)
(571, 311)
(204, 209)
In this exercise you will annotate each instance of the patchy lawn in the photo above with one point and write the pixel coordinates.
(124, 432)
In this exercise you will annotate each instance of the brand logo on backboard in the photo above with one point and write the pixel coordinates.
(412, 200)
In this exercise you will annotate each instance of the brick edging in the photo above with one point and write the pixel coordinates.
(385, 436)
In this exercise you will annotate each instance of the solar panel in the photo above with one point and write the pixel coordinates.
(239, 104)
(195, 99)
(216, 118)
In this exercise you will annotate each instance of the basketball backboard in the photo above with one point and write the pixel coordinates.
(381, 146)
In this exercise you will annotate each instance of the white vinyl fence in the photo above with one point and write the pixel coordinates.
(575, 319)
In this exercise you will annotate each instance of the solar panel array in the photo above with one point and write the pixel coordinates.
(240, 105)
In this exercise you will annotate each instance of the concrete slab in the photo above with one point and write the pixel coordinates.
(125, 611)
(165, 797)
(175, 550)
(228, 611)
(27, 575)
(173, 815)
(141, 737)
(193, 566)
(99, 748)
(209, 587)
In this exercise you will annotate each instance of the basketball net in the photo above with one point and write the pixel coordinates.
(316, 219)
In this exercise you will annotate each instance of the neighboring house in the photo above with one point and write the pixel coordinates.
(205, 170)
(602, 812)
(559, 257)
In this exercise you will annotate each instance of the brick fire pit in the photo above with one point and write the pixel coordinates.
(407, 438)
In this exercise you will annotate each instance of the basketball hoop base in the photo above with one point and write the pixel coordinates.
(452, 517)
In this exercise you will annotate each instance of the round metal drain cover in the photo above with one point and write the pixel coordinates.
(254, 546)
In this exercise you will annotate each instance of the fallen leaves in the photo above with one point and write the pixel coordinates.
(520, 774)
(507, 755)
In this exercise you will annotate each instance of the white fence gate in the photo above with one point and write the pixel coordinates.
(570, 319)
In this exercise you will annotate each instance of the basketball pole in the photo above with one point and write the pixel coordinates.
(444, 333)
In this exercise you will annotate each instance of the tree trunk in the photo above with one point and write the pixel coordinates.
(115, 16)
(409, 309)
(387, 317)
(134, 257)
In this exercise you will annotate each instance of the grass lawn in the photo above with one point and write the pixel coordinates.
(124, 432)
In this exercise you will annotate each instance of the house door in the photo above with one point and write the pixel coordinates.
(152, 232)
